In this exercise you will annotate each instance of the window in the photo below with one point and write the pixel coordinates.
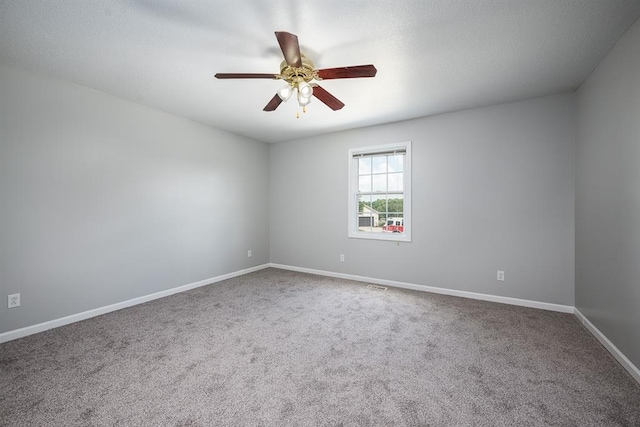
(380, 192)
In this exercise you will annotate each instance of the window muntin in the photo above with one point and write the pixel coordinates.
(379, 190)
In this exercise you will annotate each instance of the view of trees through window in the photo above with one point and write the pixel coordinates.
(385, 208)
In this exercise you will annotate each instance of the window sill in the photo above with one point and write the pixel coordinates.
(391, 237)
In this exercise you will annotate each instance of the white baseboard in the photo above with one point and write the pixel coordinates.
(41, 327)
(620, 357)
(433, 289)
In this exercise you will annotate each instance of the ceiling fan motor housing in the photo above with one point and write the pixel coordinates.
(295, 75)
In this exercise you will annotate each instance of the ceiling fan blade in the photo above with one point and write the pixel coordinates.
(324, 96)
(244, 76)
(347, 72)
(290, 48)
(273, 104)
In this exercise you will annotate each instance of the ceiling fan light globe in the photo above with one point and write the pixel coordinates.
(305, 89)
(285, 92)
(303, 100)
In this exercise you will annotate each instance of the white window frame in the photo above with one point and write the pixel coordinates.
(354, 232)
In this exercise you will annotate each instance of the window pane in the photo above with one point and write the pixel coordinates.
(396, 182)
(396, 206)
(379, 204)
(364, 166)
(394, 221)
(364, 185)
(396, 163)
(364, 199)
(379, 164)
(380, 182)
(367, 216)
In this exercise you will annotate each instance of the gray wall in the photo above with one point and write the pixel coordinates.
(102, 200)
(608, 196)
(493, 189)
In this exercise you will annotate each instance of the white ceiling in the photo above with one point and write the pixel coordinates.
(432, 56)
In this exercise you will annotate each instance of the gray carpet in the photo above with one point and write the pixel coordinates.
(278, 348)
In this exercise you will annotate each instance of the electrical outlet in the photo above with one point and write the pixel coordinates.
(249, 253)
(341, 257)
(13, 301)
(501, 275)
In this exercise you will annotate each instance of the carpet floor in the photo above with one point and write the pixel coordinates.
(279, 348)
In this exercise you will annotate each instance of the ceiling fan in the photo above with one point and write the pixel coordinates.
(298, 72)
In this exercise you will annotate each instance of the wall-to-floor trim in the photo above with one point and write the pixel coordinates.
(620, 357)
(433, 289)
(41, 327)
